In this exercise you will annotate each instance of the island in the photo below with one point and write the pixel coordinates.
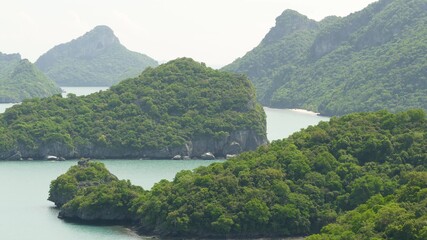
(360, 176)
(370, 60)
(181, 110)
(95, 59)
(20, 79)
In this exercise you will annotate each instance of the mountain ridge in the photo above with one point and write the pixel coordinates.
(20, 79)
(366, 61)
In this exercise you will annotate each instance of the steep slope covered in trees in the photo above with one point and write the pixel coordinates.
(370, 60)
(367, 169)
(20, 79)
(94, 59)
(181, 107)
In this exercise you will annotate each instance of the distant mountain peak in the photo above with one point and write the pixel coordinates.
(87, 46)
(369, 60)
(99, 38)
(95, 59)
(287, 23)
(103, 28)
(10, 57)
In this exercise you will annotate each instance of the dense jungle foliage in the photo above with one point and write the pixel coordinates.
(370, 60)
(94, 59)
(66, 186)
(163, 108)
(20, 79)
(361, 176)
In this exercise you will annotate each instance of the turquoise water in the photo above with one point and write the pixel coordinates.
(4, 106)
(283, 122)
(81, 91)
(25, 214)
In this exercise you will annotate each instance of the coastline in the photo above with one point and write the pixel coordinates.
(297, 110)
(304, 111)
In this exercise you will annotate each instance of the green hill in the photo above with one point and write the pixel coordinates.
(361, 176)
(20, 79)
(370, 60)
(179, 108)
(95, 59)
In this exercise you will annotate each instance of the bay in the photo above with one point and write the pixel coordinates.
(281, 123)
(24, 185)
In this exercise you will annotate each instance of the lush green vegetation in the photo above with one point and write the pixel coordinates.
(401, 216)
(92, 192)
(106, 202)
(77, 178)
(370, 60)
(95, 59)
(19, 79)
(363, 174)
(154, 115)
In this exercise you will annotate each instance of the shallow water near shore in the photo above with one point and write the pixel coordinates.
(27, 215)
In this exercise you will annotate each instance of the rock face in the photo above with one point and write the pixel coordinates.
(106, 214)
(95, 59)
(208, 156)
(237, 142)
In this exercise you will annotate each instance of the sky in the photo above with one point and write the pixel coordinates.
(215, 32)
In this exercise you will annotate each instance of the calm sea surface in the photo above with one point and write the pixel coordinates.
(25, 214)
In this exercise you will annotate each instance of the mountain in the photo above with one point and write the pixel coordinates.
(370, 60)
(360, 176)
(179, 108)
(95, 59)
(20, 79)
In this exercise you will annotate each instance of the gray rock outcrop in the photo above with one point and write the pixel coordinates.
(234, 143)
(207, 156)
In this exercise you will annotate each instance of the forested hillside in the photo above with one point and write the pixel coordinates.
(20, 79)
(361, 176)
(179, 108)
(370, 60)
(95, 59)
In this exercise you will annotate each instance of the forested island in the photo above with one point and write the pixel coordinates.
(20, 79)
(370, 60)
(360, 176)
(181, 109)
(95, 59)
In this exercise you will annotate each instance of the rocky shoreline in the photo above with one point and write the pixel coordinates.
(206, 148)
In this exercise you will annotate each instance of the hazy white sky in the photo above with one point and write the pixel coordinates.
(212, 31)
